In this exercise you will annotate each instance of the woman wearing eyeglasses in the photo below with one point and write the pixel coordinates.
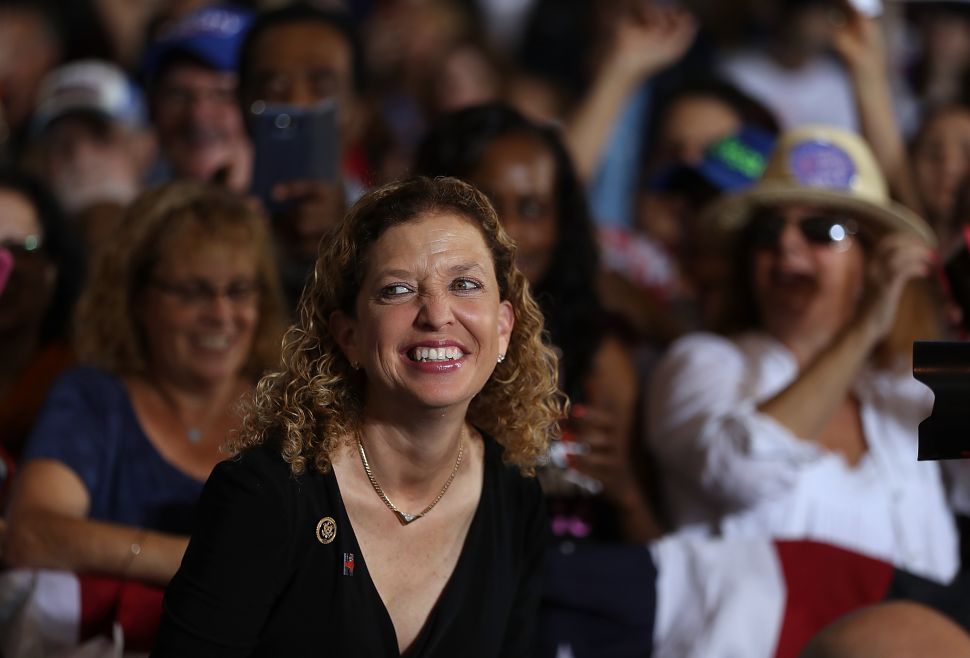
(181, 315)
(802, 421)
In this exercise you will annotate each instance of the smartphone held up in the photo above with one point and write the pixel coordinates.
(292, 143)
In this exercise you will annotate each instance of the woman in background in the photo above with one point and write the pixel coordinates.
(800, 422)
(525, 170)
(41, 272)
(181, 315)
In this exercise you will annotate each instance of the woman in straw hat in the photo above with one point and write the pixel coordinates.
(802, 424)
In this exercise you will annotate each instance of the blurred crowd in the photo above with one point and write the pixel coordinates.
(733, 213)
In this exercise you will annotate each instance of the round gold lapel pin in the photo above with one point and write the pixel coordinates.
(326, 530)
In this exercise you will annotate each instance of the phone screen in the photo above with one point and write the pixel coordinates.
(293, 143)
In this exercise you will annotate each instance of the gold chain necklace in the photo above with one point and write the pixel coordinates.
(404, 517)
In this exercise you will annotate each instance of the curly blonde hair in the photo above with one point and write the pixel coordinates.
(316, 401)
(108, 334)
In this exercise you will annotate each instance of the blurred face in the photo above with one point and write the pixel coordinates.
(810, 29)
(804, 284)
(28, 51)
(26, 275)
(302, 64)
(518, 173)
(946, 39)
(691, 125)
(429, 322)
(664, 217)
(941, 161)
(536, 98)
(465, 78)
(199, 125)
(199, 313)
(88, 160)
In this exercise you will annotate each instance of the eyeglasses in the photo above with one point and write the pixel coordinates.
(200, 294)
(766, 229)
(29, 246)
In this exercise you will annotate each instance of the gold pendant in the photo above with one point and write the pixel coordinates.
(406, 518)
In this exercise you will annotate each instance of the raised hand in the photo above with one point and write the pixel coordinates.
(859, 41)
(650, 40)
(896, 260)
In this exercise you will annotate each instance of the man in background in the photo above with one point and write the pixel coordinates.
(301, 57)
(190, 69)
(93, 143)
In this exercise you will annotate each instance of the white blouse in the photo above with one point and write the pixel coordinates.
(730, 470)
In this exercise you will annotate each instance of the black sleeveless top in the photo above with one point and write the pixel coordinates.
(258, 578)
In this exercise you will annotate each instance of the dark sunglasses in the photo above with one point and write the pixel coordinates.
(765, 230)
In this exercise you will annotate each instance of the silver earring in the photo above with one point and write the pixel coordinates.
(501, 357)
(355, 365)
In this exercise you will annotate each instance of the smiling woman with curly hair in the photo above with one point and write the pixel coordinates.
(416, 393)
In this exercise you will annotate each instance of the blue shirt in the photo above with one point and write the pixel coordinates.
(88, 424)
(613, 189)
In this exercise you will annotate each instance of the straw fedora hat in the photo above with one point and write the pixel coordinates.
(828, 167)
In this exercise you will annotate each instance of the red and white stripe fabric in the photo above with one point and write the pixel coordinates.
(60, 614)
(708, 593)
(724, 598)
(750, 598)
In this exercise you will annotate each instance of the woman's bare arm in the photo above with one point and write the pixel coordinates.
(641, 47)
(861, 45)
(808, 403)
(49, 528)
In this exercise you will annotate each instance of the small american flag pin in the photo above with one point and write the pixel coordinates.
(348, 564)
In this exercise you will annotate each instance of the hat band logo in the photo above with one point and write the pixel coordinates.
(739, 157)
(821, 164)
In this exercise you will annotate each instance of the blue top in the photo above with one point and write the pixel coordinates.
(89, 424)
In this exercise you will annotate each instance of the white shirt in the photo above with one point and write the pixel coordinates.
(723, 598)
(818, 92)
(729, 470)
